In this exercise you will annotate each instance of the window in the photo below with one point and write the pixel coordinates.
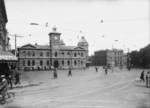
(75, 54)
(82, 54)
(62, 62)
(56, 54)
(47, 62)
(75, 62)
(41, 53)
(33, 53)
(28, 63)
(68, 62)
(47, 53)
(78, 53)
(81, 62)
(33, 63)
(68, 53)
(62, 54)
(41, 62)
(23, 62)
(28, 53)
(24, 53)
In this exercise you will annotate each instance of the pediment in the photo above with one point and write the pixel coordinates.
(78, 48)
(28, 46)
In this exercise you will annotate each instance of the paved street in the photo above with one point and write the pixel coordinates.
(85, 89)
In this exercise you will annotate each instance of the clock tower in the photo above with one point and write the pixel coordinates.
(54, 37)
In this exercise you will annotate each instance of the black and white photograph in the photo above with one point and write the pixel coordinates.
(74, 53)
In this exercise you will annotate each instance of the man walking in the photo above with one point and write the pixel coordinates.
(106, 70)
(10, 80)
(96, 68)
(142, 76)
(148, 79)
(70, 73)
(55, 73)
(17, 76)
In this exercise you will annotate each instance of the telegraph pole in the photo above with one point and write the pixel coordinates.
(15, 40)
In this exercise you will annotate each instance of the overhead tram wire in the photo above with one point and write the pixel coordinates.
(102, 21)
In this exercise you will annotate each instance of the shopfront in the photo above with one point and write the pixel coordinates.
(8, 61)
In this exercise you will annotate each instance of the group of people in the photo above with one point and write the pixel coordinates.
(55, 72)
(6, 81)
(147, 77)
(104, 67)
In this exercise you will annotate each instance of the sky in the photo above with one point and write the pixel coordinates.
(101, 22)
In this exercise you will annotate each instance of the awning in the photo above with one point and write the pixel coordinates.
(7, 57)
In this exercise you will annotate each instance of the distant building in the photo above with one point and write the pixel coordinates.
(56, 54)
(108, 57)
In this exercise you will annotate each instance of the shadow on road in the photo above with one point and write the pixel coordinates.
(25, 86)
(141, 86)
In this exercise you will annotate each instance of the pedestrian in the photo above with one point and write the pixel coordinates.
(96, 68)
(17, 76)
(70, 73)
(142, 76)
(10, 80)
(148, 79)
(3, 89)
(55, 73)
(105, 70)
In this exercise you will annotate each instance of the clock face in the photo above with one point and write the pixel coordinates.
(55, 37)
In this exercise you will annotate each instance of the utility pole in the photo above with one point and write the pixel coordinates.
(15, 40)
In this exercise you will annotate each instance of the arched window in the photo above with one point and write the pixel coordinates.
(33, 63)
(75, 62)
(33, 53)
(82, 54)
(47, 62)
(56, 54)
(68, 53)
(78, 61)
(28, 53)
(75, 54)
(81, 62)
(47, 53)
(41, 53)
(23, 62)
(28, 63)
(62, 62)
(24, 53)
(78, 53)
(63, 54)
(41, 62)
(68, 62)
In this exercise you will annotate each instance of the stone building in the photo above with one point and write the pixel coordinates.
(3, 31)
(108, 57)
(56, 54)
(7, 59)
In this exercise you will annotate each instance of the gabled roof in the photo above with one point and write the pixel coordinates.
(30, 46)
(43, 46)
(71, 48)
(63, 47)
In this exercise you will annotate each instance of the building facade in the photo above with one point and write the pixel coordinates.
(7, 59)
(56, 54)
(3, 32)
(108, 57)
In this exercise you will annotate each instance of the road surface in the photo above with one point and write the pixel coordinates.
(85, 89)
